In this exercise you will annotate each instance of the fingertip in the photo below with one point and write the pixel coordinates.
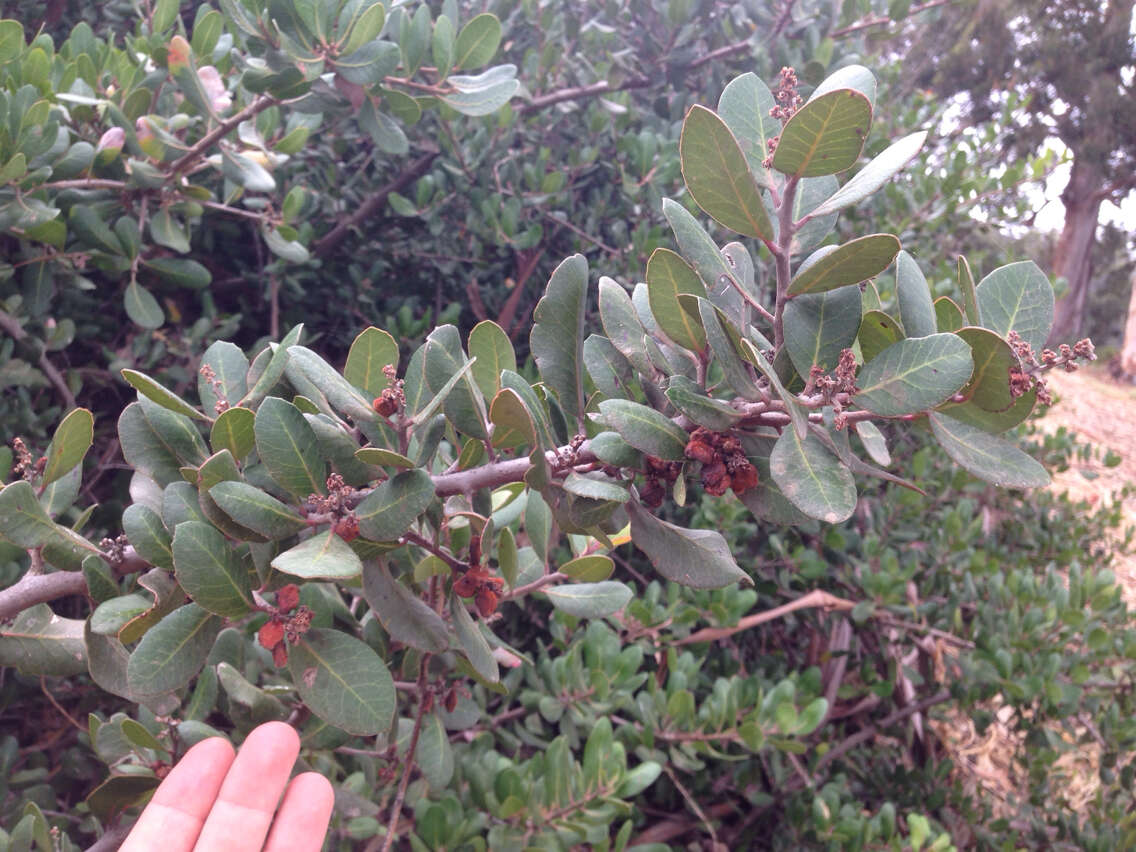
(276, 734)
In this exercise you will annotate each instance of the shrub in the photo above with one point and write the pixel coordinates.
(362, 552)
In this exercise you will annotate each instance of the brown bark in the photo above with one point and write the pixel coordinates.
(1128, 353)
(1072, 259)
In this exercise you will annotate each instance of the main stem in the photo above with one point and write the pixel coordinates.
(785, 231)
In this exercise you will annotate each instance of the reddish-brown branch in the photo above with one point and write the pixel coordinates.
(373, 204)
(190, 158)
(881, 20)
(592, 90)
(408, 766)
(9, 324)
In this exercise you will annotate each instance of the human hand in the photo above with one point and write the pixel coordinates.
(211, 802)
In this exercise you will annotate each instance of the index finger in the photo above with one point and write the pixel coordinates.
(173, 819)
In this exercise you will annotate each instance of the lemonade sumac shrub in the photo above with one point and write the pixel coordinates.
(422, 561)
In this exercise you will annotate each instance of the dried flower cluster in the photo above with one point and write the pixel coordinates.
(660, 475)
(724, 463)
(222, 404)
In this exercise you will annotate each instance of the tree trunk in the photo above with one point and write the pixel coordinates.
(1072, 259)
(1128, 353)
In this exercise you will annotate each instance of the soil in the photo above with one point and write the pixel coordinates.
(1101, 412)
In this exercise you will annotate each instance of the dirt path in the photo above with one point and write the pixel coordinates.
(1101, 412)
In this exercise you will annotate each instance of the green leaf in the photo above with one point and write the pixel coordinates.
(1017, 297)
(172, 651)
(812, 228)
(39, 642)
(339, 391)
(878, 331)
(472, 643)
(512, 423)
(476, 43)
(233, 430)
(914, 375)
(261, 512)
(557, 337)
(825, 136)
(994, 422)
(969, 293)
(464, 405)
(611, 373)
(596, 486)
(916, 311)
(589, 569)
(703, 409)
(645, 429)
(369, 64)
(370, 352)
(874, 442)
(589, 600)
(322, 557)
(434, 755)
(11, 40)
(148, 535)
(819, 326)
(700, 559)
(404, 615)
(744, 106)
(366, 27)
(493, 350)
(384, 130)
(261, 706)
(166, 232)
(812, 478)
(855, 77)
(725, 343)
(209, 571)
(703, 254)
(165, 398)
(668, 277)
(611, 449)
(23, 520)
(414, 39)
(229, 367)
(851, 263)
(948, 315)
(879, 171)
(343, 681)
(987, 456)
(389, 510)
(442, 45)
(73, 437)
(111, 616)
(180, 271)
(288, 448)
(718, 176)
(481, 100)
(989, 386)
(284, 248)
(425, 414)
(621, 324)
(246, 172)
(274, 370)
(167, 596)
(85, 224)
(383, 458)
(141, 306)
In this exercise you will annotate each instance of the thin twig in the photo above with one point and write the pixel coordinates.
(592, 90)
(408, 766)
(880, 20)
(58, 706)
(9, 324)
(692, 803)
(197, 151)
(818, 598)
(870, 731)
(529, 588)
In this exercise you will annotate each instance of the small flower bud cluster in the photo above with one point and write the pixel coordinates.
(787, 97)
(26, 466)
(222, 404)
(287, 623)
(338, 502)
(724, 463)
(392, 399)
(835, 389)
(1028, 374)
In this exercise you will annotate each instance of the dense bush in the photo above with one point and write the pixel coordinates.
(420, 560)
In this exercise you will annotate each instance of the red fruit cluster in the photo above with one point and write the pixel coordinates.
(479, 584)
(288, 622)
(347, 527)
(724, 463)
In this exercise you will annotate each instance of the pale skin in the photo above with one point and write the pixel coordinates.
(213, 799)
